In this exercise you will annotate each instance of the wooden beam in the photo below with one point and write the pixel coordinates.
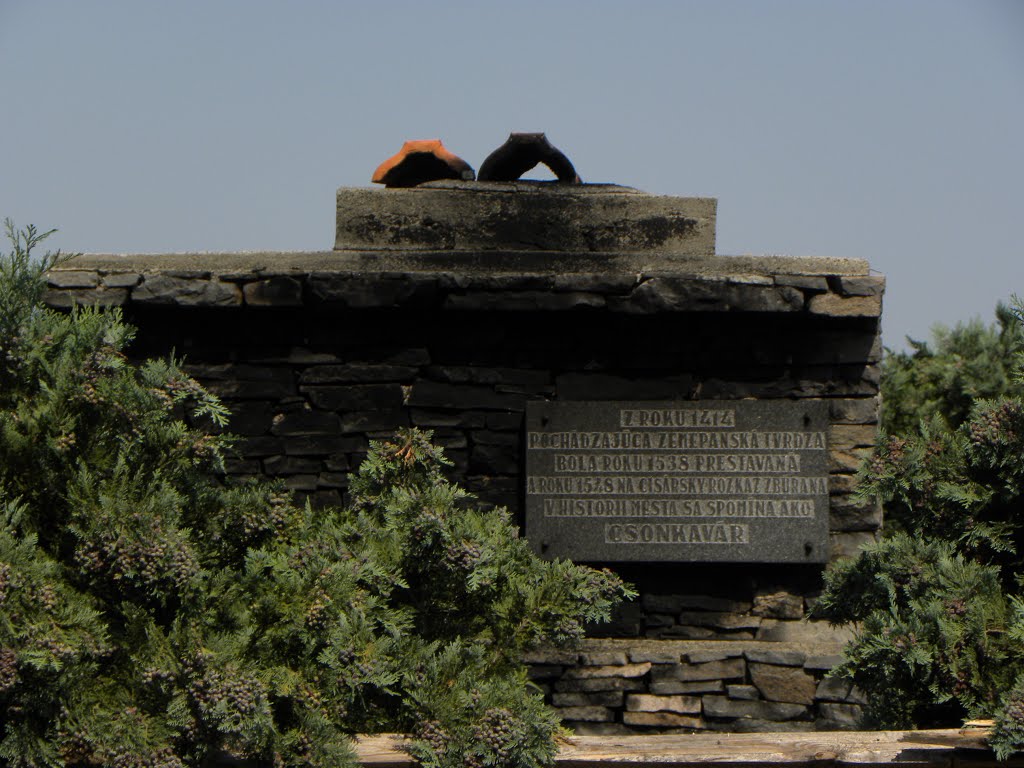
(950, 748)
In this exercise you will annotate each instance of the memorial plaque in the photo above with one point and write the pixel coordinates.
(694, 481)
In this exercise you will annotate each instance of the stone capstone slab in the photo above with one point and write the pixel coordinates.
(523, 216)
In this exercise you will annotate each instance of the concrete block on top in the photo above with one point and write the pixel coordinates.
(524, 216)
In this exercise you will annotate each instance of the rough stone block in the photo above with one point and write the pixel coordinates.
(599, 698)
(654, 655)
(700, 657)
(603, 284)
(778, 604)
(290, 465)
(357, 373)
(317, 445)
(610, 670)
(867, 285)
(663, 720)
(256, 446)
(645, 702)
(306, 422)
(820, 632)
(494, 459)
(675, 632)
(848, 514)
(773, 656)
(301, 482)
(776, 683)
(162, 288)
(356, 397)
(834, 305)
(678, 294)
(724, 707)
(678, 603)
(522, 301)
(370, 291)
(385, 422)
(600, 684)
(814, 283)
(846, 461)
(603, 658)
(471, 374)
(833, 689)
(551, 656)
(332, 480)
(433, 394)
(841, 716)
(744, 692)
(842, 485)
(847, 436)
(860, 410)
(823, 661)
(719, 620)
(849, 544)
(121, 279)
(65, 299)
(424, 417)
(69, 278)
(277, 291)
(729, 669)
(678, 686)
(590, 714)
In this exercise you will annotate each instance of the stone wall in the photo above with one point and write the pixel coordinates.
(318, 353)
(620, 687)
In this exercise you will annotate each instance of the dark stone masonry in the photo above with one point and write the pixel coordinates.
(437, 311)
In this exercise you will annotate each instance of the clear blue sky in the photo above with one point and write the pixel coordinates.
(885, 130)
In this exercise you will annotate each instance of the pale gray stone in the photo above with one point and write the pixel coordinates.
(603, 658)
(592, 714)
(669, 687)
(611, 670)
(67, 278)
(600, 684)
(777, 683)
(645, 702)
(189, 292)
(729, 669)
(663, 720)
(774, 656)
(746, 692)
(833, 305)
(121, 279)
(722, 706)
(833, 689)
(843, 716)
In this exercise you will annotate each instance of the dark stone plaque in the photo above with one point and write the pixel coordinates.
(693, 481)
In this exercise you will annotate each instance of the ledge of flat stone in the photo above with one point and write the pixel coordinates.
(267, 263)
(516, 281)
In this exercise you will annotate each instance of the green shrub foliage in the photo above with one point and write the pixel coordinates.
(939, 603)
(942, 379)
(153, 615)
